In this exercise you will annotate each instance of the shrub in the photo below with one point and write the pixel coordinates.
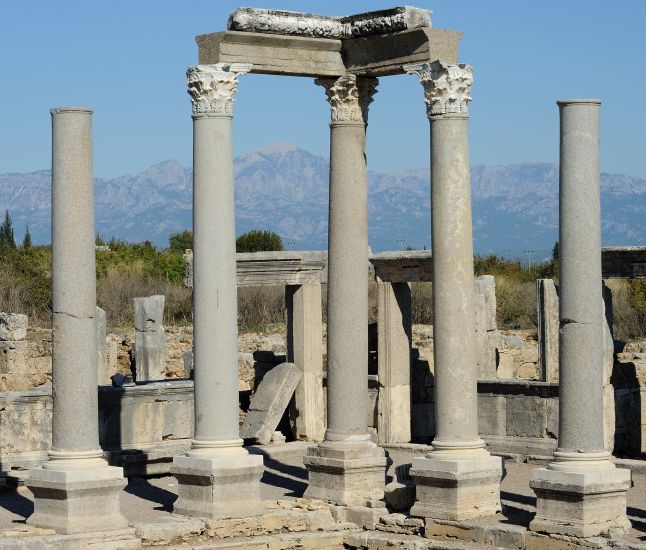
(179, 242)
(258, 241)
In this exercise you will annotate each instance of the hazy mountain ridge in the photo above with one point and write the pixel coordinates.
(285, 189)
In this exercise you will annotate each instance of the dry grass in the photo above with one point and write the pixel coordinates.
(260, 307)
(122, 284)
(515, 304)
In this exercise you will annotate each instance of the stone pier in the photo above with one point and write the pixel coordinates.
(486, 331)
(347, 467)
(103, 373)
(217, 477)
(580, 493)
(304, 348)
(458, 479)
(547, 310)
(150, 338)
(75, 491)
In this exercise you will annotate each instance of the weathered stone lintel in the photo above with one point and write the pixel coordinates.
(368, 56)
(282, 22)
(404, 266)
(271, 268)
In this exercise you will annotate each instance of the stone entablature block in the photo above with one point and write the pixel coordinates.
(271, 268)
(321, 26)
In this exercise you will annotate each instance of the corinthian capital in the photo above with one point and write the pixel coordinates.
(349, 97)
(447, 86)
(212, 87)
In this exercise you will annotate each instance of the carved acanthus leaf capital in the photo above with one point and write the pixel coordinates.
(447, 86)
(213, 87)
(349, 97)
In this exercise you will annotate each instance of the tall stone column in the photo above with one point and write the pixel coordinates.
(457, 479)
(217, 477)
(347, 467)
(580, 493)
(75, 491)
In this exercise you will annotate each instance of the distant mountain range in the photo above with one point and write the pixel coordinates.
(285, 189)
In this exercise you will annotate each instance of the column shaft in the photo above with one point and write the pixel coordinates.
(581, 493)
(75, 491)
(75, 425)
(581, 332)
(347, 468)
(215, 330)
(217, 477)
(457, 479)
(456, 410)
(347, 321)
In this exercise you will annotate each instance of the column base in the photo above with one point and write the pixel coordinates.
(218, 487)
(77, 501)
(348, 474)
(580, 504)
(457, 489)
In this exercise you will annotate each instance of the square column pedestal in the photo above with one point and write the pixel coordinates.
(457, 490)
(218, 487)
(84, 500)
(580, 504)
(346, 474)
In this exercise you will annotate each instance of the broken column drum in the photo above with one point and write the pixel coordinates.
(347, 467)
(75, 491)
(580, 493)
(458, 479)
(217, 477)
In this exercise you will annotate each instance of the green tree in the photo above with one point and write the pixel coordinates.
(7, 241)
(26, 241)
(180, 241)
(555, 253)
(258, 240)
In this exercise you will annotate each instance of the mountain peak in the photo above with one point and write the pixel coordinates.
(279, 147)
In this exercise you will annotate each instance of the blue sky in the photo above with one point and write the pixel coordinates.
(127, 60)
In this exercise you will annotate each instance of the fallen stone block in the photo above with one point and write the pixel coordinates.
(270, 402)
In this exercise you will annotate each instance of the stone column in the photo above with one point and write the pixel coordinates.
(217, 477)
(580, 493)
(347, 468)
(75, 491)
(457, 479)
(394, 342)
(304, 349)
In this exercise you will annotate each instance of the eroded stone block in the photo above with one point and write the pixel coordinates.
(13, 326)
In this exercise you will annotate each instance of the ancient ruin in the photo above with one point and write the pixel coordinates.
(407, 455)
